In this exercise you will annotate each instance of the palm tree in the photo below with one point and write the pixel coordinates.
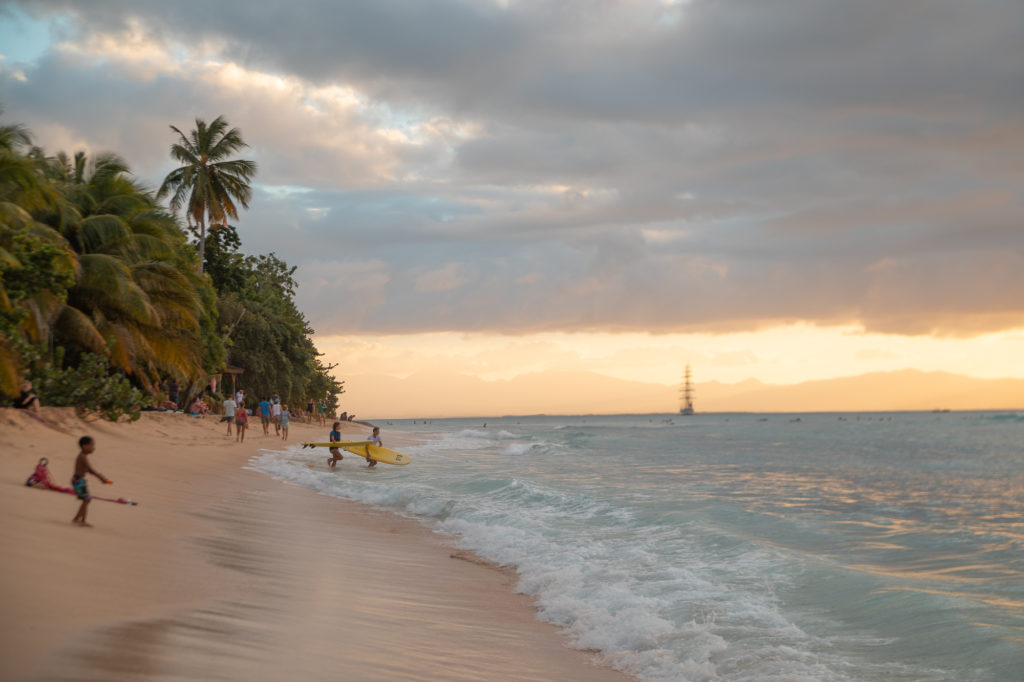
(135, 284)
(208, 182)
(36, 265)
(91, 262)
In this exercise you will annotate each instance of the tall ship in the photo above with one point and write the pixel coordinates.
(686, 393)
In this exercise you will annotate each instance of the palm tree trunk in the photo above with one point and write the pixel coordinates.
(202, 242)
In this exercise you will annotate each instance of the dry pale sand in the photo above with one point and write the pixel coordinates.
(222, 573)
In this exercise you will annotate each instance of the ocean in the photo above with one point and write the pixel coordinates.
(881, 547)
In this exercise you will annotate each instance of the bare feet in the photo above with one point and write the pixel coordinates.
(83, 524)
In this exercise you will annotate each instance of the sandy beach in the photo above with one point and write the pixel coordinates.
(222, 573)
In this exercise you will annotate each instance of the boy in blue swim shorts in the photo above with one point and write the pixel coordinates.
(86, 446)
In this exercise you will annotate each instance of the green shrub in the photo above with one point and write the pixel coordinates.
(90, 385)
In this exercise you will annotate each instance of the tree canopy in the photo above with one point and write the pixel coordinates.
(264, 332)
(209, 183)
(95, 272)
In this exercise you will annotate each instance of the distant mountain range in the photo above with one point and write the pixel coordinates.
(902, 390)
(446, 395)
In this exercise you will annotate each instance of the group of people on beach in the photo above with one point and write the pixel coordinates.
(87, 446)
(317, 409)
(270, 411)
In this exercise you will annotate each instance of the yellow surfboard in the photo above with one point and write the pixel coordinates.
(365, 448)
(377, 453)
(334, 444)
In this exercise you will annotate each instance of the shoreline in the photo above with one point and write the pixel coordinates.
(226, 573)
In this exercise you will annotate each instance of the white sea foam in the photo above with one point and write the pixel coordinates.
(735, 553)
(479, 434)
(518, 448)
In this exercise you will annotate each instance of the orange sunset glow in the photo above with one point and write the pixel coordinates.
(535, 207)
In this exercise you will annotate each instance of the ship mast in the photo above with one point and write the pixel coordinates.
(686, 394)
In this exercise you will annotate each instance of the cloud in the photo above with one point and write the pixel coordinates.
(446, 278)
(582, 165)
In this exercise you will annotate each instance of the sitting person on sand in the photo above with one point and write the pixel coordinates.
(334, 437)
(27, 400)
(198, 407)
(86, 446)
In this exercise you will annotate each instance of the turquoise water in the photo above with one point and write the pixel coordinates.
(885, 548)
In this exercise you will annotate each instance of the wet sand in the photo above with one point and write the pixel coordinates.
(222, 573)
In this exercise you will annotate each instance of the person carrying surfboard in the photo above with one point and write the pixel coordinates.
(86, 446)
(374, 439)
(334, 437)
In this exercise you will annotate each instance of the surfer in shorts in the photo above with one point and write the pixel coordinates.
(374, 439)
(334, 437)
(86, 446)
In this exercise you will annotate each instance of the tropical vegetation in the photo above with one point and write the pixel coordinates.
(103, 295)
(265, 333)
(209, 183)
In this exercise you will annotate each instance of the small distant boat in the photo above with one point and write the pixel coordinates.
(686, 393)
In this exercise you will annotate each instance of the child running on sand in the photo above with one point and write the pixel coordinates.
(286, 417)
(334, 437)
(241, 422)
(86, 446)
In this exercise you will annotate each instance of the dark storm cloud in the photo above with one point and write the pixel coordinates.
(598, 165)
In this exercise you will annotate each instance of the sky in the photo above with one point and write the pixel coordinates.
(783, 190)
